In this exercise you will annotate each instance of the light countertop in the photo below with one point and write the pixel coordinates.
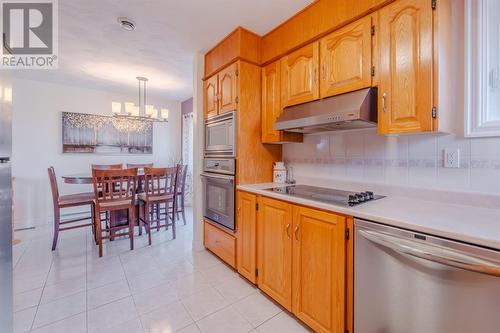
(471, 224)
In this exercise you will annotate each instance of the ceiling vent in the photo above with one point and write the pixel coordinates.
(126, 24)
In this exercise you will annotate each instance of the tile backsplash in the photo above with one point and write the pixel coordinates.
(415, 160)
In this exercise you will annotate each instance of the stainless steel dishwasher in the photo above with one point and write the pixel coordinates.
(409, 282)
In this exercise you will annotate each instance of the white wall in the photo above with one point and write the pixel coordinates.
(37, 108)
(198, 138)
(414, 160)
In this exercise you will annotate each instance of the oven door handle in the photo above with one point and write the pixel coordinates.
(444, 256)
(210, 175)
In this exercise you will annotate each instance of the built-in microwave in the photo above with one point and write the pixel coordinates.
(220, 135)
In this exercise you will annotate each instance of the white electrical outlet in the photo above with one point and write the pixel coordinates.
(451, 158)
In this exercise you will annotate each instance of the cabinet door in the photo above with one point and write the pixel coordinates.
(228, 87)
(275, 250)
(346, 57)
(210, 89)
(271, 106)
(405, 67)
(299, 75)
(271, 101)
(319, 268)
(246, 225)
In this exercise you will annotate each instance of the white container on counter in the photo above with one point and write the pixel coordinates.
(279, 172)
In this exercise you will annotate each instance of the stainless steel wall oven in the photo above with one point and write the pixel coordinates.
(219, 192)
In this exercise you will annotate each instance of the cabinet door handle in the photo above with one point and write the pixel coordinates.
(288, 231)
(296, 232)
(323, 73)
(315, 75)
(384, 97)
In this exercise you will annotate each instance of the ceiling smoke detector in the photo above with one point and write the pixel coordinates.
(126, 24)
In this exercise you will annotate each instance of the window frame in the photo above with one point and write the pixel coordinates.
(476, 111)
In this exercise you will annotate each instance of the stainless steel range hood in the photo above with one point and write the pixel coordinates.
(353, 110)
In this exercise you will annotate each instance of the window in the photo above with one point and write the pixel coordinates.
(482, 68)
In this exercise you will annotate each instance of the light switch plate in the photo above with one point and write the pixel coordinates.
(451, 158)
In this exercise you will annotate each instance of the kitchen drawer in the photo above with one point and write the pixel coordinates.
(221, 243)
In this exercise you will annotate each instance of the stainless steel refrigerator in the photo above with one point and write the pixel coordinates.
(6, 324)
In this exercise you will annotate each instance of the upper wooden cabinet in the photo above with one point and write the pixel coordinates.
(300, 75)
(346, 59)
(405, 65)
(211, 99)
(274, 248)
(319, 18)
(228, 87)
(246, 221)
(221, 91)
(319, 269)
(271, 106)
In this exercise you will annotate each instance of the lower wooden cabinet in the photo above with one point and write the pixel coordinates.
(319, 268)
(220, 242)
(274, 248)
(246, 220)
(304, 261)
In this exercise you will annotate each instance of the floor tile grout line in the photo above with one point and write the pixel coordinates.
(265, 321)
(21, 255)
(55, 322)
(190, 316)
(41, 295)
(130, 290)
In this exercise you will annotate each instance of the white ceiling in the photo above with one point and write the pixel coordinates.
(95, 52)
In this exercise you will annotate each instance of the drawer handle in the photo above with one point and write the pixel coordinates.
(288, 230)
(296, 232)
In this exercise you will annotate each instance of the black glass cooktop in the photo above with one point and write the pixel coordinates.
(326, 195)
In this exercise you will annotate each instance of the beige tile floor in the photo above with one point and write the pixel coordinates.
(161, 288)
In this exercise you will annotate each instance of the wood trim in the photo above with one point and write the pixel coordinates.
(232, 61)
(254, 160)
(349, 281)
(301, 205)
(239, 43)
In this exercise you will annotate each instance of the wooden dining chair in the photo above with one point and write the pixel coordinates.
(159, 199)
(68, 201)
(181, 190)
(140, 183)
(107, 166)
(114, 191)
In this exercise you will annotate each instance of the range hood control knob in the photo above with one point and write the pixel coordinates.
(353, 200)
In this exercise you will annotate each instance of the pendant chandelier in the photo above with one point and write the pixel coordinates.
(143, 111)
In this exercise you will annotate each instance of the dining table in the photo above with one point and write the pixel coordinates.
(118, 217)
(86, 178)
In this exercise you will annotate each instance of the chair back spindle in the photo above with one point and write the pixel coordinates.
(114, 184)
(160, 181)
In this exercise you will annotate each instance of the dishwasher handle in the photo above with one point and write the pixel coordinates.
(444, 256)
